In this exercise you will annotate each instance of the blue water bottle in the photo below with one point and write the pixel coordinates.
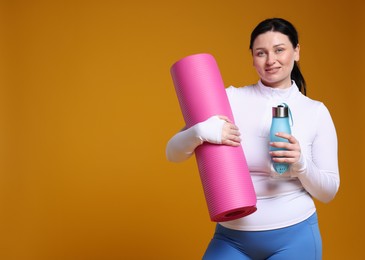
(280, 123)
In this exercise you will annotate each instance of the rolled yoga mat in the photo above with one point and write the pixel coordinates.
(223, 169)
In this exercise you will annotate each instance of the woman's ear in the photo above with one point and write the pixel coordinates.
(296, 53)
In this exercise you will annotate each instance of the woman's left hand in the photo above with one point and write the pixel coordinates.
(291, 154)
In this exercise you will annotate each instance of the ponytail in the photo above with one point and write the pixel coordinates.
(297, 76)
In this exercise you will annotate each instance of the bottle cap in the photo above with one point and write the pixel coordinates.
(280, 111)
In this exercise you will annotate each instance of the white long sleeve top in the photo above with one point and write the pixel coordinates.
(282, 200)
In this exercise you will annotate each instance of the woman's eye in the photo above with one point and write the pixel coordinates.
(279, 50)
(260, 54)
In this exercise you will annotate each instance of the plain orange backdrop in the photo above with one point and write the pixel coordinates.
(87, 105)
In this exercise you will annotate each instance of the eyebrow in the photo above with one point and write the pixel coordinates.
(262, 48)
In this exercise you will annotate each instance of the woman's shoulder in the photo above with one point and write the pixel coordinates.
(243, 89)
(314, 108)
(313, 103)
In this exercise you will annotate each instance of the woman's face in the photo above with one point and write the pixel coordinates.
(273, 58)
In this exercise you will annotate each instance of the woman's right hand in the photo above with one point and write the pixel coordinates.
(219, 130)
(230, 133)
(216, 130)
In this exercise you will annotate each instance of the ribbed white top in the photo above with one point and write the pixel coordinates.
(284, 200)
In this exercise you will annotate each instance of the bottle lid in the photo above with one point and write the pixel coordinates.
(280, 111)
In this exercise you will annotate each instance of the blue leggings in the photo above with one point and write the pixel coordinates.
(300, 242)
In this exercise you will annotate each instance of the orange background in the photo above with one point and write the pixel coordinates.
(87, 105)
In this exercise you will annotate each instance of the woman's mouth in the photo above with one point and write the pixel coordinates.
(272, 70)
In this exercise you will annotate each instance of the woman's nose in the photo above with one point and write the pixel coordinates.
(271, 59)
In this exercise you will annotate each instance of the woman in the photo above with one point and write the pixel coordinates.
(285, 224)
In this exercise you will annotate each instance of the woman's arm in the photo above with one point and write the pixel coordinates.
(216, 129)
(319, 175)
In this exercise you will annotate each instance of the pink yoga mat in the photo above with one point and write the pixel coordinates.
(226, 181)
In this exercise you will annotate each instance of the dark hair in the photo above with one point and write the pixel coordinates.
(284, 27)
